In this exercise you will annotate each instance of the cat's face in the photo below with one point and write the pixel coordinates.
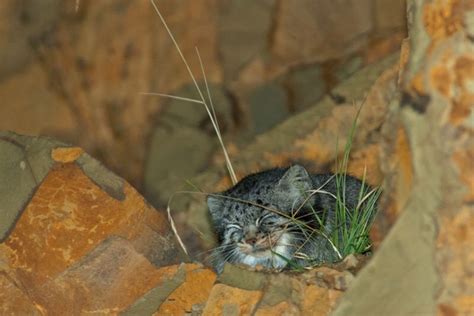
(253, 219)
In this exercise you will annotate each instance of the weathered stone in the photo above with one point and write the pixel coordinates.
(268, 107)
(243, 30)
(69, 215)
(318, 301)
(107, 280)
(242, 278)
(152, 300)
(85, 241)
(21, 22)
(226, 300)
(194, 291)
(331, 29)
(101, 176)
(428, 252)
(348, 68)
(183, 142)
(390, 15)
(21, 112)
(305, 87)
(14, 300)
(24, 162)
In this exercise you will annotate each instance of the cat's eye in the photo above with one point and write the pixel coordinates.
(235, 226)
(268, 219)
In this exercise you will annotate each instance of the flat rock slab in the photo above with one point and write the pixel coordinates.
(24, 162)
(76, 236)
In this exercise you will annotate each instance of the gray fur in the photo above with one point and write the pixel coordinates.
(236, 218)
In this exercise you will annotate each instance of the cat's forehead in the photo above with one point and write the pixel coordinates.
(256, 185)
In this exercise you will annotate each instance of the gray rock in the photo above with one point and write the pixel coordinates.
(243, 29)
(176, 154)
(24, 162)
(306, 86)
(268, 106)
(317, 31)
(183, 142)
(103, 177)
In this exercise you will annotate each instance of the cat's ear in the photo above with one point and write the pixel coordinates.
(214, 204)
(295, 184)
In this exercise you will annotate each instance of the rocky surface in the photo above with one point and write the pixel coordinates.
(89, 67)
(74, 236)
(425, 264)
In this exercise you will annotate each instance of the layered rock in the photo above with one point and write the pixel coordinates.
(74, 236)
(425, 264)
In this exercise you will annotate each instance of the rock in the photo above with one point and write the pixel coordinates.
(20, 23)
(305, 86)
(24, 163)
(194, 291)
(183, 142)
(21, 112)
(428, 252)
(108, 279)
(350, 261)
(249, 292)
(348, 68)
(331, 30)
(243, 30)
(76, 236)
(226, 300)
(268, 107)
(14, 300)
(390, 15)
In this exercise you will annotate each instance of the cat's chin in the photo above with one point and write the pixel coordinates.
(274, 258)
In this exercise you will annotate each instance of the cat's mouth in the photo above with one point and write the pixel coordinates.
(265, 246)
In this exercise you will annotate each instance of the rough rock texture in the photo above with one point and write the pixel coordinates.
(19, 24)
(75, 237)
(425, 264)
(328, 27)
(89, 66)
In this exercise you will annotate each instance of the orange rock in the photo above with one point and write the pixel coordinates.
(319, 301)
(194, 291)
(283, 308)
(14, 300)
(229, 300)
(366, 162)
(85, 242)
(107, 280)
(66, 154)
(69, 216)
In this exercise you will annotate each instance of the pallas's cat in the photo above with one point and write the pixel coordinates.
(274, 217)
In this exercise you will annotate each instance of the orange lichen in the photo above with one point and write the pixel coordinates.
(404, 163)
(464, 79)
(66, 154)
(442, 79)
(464, 161)
(442, 18)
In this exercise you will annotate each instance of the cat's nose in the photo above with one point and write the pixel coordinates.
(251, 241)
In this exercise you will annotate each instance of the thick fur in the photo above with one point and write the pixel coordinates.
(236, 215)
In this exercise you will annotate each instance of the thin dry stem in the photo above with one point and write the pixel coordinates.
(203, 101)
